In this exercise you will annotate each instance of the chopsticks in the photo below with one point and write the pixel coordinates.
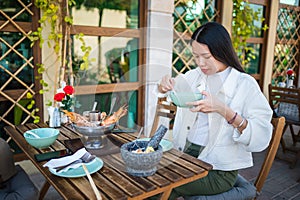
(96, 191)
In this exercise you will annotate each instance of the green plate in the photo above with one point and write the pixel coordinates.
(92, 167)
(166, 144)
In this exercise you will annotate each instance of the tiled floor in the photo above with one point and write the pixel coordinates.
(280, 184)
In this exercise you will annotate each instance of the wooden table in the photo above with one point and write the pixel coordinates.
(175, 169)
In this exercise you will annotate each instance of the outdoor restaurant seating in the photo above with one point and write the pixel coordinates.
(14, 182)
(164, 109)
(244, 189)
(286, 102)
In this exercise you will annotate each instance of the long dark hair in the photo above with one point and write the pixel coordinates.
(216, 37)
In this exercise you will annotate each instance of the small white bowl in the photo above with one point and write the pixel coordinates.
(180, 98)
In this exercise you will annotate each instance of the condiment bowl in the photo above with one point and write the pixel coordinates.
(41, 137)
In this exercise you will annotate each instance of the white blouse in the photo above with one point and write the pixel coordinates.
(199, 131)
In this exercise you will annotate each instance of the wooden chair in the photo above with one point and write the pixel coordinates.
(286, 102)
(163, 109)
(244, 189)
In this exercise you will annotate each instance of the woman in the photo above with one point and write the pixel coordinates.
(231, 121)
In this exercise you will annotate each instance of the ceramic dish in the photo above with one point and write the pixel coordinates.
(166, 144)
(92, 167)
(41, 137)
(180, 98)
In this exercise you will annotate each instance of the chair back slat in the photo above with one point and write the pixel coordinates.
(163, 109)
(288, 95)
(278, 124)
(285, 101)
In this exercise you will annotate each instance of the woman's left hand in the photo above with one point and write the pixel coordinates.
(208, 104)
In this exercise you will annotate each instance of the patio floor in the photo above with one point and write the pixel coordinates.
(280, 184)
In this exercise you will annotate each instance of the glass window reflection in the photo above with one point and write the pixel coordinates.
(258, 23)
(113, 13)
(104, 104)
(112, 60)
(16, 9)
(253, 66)
(15, 61)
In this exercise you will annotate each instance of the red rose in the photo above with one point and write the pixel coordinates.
(289, 72)
(59, 96)
(69, 90)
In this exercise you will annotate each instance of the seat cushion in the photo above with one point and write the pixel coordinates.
(19, 187)
(289, 111)
(242, 190)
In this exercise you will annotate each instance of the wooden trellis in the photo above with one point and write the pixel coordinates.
(10, 96)
(189, 15)
(287, 42)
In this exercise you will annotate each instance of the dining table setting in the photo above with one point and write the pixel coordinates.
(118, 163)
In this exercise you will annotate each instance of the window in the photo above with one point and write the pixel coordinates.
(111, 29)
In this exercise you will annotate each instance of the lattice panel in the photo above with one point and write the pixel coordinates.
(188, 16)
(287, 42)
(17, 77)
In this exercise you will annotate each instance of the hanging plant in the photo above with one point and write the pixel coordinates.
(243, 27)
(55, 15)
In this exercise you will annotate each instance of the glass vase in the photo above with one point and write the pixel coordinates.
(290, 83)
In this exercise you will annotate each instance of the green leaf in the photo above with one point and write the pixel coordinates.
(29, 95)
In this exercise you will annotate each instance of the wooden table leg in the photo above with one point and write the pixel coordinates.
(166, 194)
(44, 190)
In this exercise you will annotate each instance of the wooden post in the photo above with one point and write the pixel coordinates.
(274, 6)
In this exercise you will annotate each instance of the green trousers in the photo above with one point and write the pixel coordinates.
(214, 183)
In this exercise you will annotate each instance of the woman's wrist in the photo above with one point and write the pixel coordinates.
(235, 119)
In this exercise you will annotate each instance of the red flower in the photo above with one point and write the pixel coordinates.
(289, 72)
(69, 90)
(59, 96)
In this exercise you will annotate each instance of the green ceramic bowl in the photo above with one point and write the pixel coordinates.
(47, 137)
(180, 98)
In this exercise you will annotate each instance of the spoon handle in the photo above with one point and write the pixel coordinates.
(33, 134)
(93, 185)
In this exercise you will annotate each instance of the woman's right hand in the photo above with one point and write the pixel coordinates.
(167, 83)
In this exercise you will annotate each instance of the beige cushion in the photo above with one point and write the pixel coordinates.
(7, 165)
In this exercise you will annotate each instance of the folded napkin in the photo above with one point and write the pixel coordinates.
(57, 162)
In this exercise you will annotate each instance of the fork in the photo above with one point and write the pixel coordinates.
(86, 158)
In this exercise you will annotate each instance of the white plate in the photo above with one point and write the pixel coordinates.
(166, 144)
(92, 167)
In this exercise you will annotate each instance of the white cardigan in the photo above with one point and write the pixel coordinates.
(227, 149)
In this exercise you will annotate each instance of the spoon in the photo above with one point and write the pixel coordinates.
(140, 133)
(32, 134)
(94, 106)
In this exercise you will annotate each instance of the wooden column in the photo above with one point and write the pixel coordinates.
(274, 6)
(226, 14)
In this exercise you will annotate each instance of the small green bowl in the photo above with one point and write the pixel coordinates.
(180, 98)
(47, 137)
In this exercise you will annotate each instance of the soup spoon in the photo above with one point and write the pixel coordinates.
(33, 134)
